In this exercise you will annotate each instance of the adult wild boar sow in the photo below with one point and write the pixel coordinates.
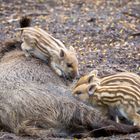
(34, 101)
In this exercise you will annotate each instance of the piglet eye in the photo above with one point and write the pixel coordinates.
(78, 92)
(69, 65)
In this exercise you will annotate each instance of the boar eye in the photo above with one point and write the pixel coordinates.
(69, 65)
(78, 92)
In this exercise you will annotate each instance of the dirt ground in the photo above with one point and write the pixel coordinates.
(105, 33)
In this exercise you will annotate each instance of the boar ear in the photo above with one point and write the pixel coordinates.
(62, 53)
(91, 89)
(94, 73)
(72, 49)
(90, 79)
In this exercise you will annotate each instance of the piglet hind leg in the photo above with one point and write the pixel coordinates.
(132, 115)
(135, 118)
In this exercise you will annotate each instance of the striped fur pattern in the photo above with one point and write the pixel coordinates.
(118, 78)
(119, 91)
(40, 44)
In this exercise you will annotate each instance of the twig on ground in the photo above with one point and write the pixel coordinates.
(89, 133)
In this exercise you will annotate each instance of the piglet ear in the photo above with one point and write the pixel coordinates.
(72, 49)
(91, 89)
(62, 53)
(94, 73)
(90, 79)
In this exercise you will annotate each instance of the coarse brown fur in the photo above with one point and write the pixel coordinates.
(34, 101)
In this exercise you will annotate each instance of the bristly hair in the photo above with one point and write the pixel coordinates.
(9, 45)
(25, 22)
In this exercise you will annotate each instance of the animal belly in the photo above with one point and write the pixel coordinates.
(37, 53)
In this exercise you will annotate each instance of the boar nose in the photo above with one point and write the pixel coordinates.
(77, 75)
(72, 75)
